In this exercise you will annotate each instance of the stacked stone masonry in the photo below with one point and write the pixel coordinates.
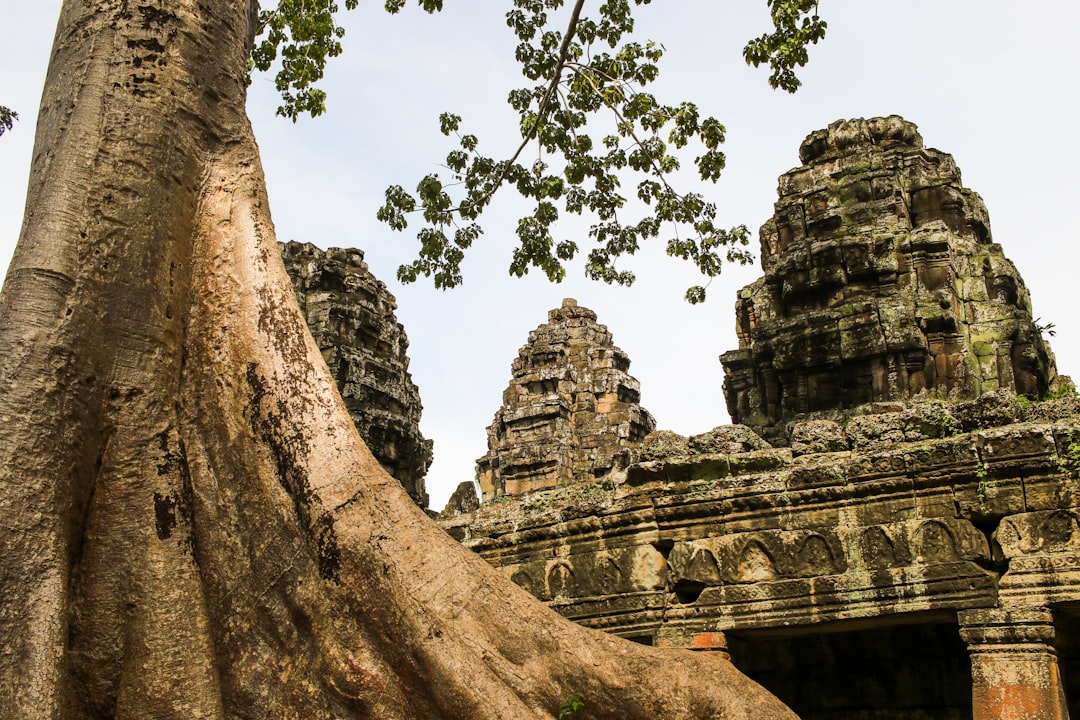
(570, 411)
(910, 546)
(782, 556)
(881, 283)
(351, 316)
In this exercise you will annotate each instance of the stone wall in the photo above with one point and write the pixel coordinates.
(881, 283)
(351, 316)
(910, 547)
(569, 411)
(767, 555)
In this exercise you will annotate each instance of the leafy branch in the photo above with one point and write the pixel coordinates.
(7, 119)
(588, 69)
(797, 25)
(591, 69)
(305, 34)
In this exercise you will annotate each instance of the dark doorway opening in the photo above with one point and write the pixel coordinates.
(1067, 645)
(914, 672)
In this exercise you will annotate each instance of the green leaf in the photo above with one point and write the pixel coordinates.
(300, 36)
(695, 295)
(448, 123)
(796, 25)
(586, 74)
(7, 119)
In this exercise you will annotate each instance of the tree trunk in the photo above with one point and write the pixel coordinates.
(192, 527)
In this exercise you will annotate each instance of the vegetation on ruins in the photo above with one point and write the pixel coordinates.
(1069, 461)
(572, 706)
(193, 527)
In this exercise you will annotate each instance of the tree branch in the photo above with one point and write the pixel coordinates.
(560, 66)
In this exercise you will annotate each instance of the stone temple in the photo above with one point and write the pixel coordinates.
(881, 283)
(351, 316)
(569, 412)
(890, 530)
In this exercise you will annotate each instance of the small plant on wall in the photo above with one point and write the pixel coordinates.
(572, 706)
(1069, 461)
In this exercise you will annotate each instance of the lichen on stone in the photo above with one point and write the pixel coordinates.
(570, 412)
(882, 283)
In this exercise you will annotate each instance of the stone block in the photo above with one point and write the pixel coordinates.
(817, 436)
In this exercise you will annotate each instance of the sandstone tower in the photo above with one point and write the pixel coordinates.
(569, 410)
(881, 283)
(351, 316)
(920, 559)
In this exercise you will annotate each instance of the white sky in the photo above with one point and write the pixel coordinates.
(993, 82)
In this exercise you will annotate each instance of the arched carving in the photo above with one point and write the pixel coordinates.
(876, 549)
(755, 563)
(524, 580)
(648, 568)
(560, 580)
(933, 543)
(1056, 531)
(607, 572)
(703, 567)
(814, 557)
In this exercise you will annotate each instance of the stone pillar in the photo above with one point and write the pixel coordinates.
(1014, 668)
(712, 642)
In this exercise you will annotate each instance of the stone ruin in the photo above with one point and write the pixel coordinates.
(910, 548)
(569, 413)
(904, 545)
(351, 316)
(881, 284)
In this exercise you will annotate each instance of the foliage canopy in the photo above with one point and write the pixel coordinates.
(582, 71)
(7, 119)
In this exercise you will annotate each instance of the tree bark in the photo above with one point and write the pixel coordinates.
(192, 527)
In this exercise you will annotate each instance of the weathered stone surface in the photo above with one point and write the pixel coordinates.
(818, 436)
(728, 439)
(351, 316)
(923, 525)
(569, 412)
(900, 533)
(992, 409)
(661, 444)
(463, 500)
(1014, 666)
(918, 421)
(881, 283)
(723, 439)
(1053, 410)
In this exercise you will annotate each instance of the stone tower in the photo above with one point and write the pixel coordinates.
(569, 410)
(932, 546)
(351, 316)
(881, 283)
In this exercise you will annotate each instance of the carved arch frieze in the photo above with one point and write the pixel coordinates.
(933, 542)
(814, 557)
(877, 551)
(755, 563)
(559, 580)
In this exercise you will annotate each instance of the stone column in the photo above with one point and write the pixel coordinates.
(713, 642)
(1014, 668)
